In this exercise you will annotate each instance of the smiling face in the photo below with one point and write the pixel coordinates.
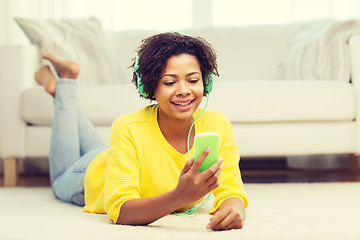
(180, 88)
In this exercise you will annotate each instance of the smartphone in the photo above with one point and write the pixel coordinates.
(201, 142)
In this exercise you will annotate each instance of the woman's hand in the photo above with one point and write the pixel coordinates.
(230, 215)
(192, 184)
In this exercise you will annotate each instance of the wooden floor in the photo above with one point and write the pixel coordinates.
(252, 172)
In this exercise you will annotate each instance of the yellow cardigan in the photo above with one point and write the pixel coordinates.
(140, 163)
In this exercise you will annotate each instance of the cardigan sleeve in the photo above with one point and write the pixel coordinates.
(122, 171)
(231, 184)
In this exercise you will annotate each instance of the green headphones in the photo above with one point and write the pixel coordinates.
(208, 80)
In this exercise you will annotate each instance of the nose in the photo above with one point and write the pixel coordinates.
(183, 89)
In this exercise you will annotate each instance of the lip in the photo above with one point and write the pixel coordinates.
(185, 107)
(183, 101)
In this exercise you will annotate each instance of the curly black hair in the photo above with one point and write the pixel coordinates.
(155, 51)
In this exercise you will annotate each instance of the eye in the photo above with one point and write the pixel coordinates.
(193, 80)
(169, 83)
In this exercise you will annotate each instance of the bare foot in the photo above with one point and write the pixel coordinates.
(64, 68)
(44, 77)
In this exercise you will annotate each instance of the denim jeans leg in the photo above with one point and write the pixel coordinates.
(64, 142)
(74, 144)
(89, 137)
(69, 186)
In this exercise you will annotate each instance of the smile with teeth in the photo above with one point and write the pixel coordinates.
(183, 104)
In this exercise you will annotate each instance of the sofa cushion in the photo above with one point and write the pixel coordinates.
(101, 103)
(284, 101)
(241, 101)
(253, 140)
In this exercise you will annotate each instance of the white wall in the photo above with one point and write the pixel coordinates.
(172, 14)
(114, 14)
(5, 22)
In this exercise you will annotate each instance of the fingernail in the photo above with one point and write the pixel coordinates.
(208, 226)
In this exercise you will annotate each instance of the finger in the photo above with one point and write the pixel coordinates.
(200, 159)
(236, 222)
(187, 166)
(214, 181)
(224, 223)
(214, 168)
(218, 218)
(214, 185)
(235, 225)
(230, 226)
(215, 176)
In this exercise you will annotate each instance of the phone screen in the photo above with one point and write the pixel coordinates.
(202, 141)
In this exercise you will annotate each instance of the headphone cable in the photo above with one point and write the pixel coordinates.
(206, 199)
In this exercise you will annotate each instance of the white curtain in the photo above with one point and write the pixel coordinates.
(172, 14)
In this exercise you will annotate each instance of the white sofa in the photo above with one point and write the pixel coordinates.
(271, 116)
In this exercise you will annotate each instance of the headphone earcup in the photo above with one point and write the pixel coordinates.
(138, 79)
(209, 82)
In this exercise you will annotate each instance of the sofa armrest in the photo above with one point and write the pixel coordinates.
(17, 67)
(354, 46)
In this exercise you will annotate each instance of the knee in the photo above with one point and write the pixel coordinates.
(78, 199)
(67, 192)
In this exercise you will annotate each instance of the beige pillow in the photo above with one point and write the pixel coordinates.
(80, 40)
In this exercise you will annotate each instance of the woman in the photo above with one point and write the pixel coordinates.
(145, 172)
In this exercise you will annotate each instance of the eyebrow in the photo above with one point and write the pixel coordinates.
(173, 75)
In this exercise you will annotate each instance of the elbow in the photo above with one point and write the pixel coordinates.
(130, 222)
(132, 219)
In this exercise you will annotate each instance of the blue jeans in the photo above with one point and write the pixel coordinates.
(74, 144)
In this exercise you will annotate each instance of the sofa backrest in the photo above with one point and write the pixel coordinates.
(125, 44)
(244, 53)
(248, 53)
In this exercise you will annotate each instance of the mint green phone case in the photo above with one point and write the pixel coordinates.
(202, 141)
